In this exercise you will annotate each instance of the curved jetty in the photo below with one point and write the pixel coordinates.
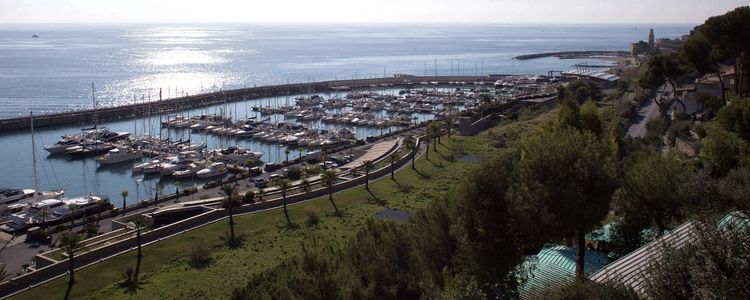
(571, 54)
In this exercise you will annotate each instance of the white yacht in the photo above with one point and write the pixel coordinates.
(64, 143)
(54, 211)
(177, 163)
(119, 155)
(214, 170)
(234, 155)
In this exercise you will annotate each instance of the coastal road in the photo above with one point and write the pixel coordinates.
(646, 112)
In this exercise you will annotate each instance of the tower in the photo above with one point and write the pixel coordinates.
(651, 39)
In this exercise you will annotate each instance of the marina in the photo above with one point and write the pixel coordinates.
(161, 152)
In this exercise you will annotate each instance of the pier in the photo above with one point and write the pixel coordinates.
(165, 106)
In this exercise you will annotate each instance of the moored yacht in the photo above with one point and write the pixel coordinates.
(119, 155)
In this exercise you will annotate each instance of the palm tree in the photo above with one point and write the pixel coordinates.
(427, 149)
(230, 201)
(367, 165)
(261, 192)
(71, 243)
(449, 121)
(44, 214)
(329, 178)
(287, 154)
(409, 144)
(140, 222)
(124, 195)
(3, 273)
(73, 208)
(434, 130)
(394, 157)
(305, 184)
(283, 185)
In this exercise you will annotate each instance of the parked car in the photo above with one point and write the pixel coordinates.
(260, 182)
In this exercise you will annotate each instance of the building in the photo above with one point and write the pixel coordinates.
(554, 267)
(651, 39)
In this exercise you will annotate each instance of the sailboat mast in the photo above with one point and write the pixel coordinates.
(33, 158)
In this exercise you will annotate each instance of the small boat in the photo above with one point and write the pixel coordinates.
(35, 36)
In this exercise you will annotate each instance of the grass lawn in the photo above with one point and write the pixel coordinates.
(167, 274)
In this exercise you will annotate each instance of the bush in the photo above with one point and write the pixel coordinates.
(294, 173)
(312, 216)
(249, 197)
(312, 170)
(200, 254)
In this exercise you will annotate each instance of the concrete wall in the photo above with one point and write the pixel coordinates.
(467, 129)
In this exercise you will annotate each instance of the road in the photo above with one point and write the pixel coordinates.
(646, 112)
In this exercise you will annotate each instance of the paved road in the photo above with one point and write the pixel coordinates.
(647, 112)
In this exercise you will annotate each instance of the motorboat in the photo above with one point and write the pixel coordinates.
(67, 141)
(177, 163)
(119, 155)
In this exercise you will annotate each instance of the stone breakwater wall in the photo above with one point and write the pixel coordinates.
(87, 116)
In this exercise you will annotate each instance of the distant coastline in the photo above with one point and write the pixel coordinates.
(573, 55)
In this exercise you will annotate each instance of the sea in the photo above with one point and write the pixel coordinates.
(75, 66)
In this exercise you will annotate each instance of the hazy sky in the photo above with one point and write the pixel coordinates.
(326, 11)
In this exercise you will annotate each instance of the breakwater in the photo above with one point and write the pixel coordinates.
(572, 54)
(87, 116)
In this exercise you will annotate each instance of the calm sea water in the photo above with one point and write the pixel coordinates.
(128, 63)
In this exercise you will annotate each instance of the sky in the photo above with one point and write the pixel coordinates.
(390, 11)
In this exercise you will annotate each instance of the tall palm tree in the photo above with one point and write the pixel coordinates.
(283, 185)
(305, 184)
(394, 157)
(411, 147)
(329, 178)
(367, 165)
(124, 195)
(73, 208)
(71, 244)
(140, 222)
(287, 151)
(261, 192)
(434, 130)
(230, 201)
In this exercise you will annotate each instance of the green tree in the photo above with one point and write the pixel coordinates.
(736, 118)
(706, 268)
(410, 145)
(71, 244)
(652, 188)
(124, 195)
(724, 151)
(590, 119)
(140, 221)
(329, 178)
(568, 176)
(705, 52)
(286, 152)
(230, 201)
(283, 185)
(661, 69)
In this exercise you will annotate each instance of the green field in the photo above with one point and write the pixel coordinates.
(166, 272)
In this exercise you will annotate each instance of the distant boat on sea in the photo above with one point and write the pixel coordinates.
(35, 36)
